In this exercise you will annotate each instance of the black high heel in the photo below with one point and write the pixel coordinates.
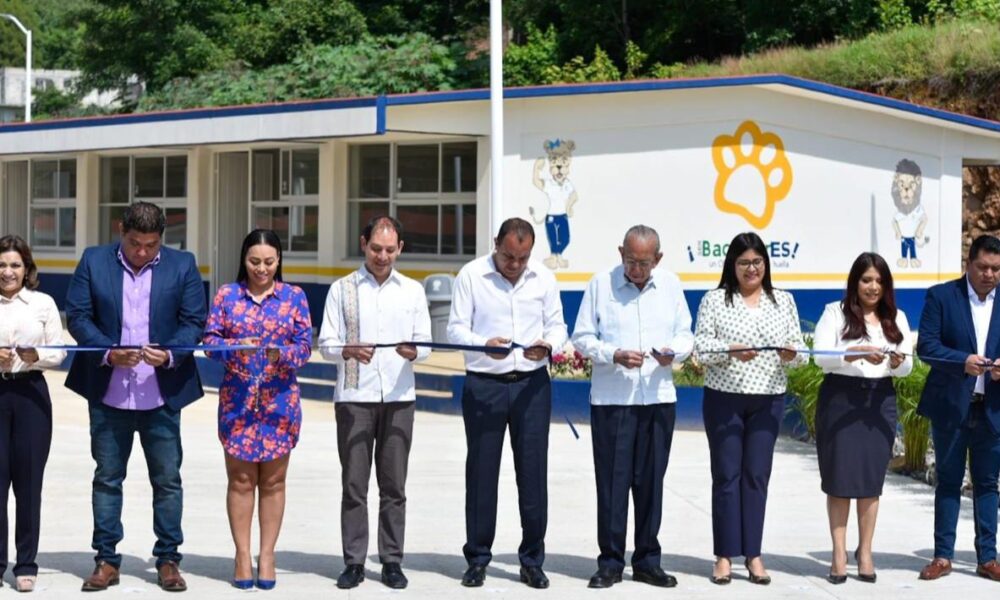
(758, 579)
(723, 579)
(838, 579)
(866, 577)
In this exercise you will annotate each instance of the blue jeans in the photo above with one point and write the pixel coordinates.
(908, 247)
(111, 434)
(977, 441)
(557, 232)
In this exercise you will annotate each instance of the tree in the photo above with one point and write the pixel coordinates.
(161, 40)
(527, 63)
(274, 32)
(390, 64)
(445, 20)
(155, 40)
(59, 34)
(11, 39)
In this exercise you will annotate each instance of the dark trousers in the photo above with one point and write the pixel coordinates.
(112, 432)
(25, 437)
(385, 431)
(631, 450)
(976, 441)
(741, 429)
(489, 406)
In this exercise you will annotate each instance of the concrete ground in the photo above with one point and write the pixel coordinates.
(796, 542)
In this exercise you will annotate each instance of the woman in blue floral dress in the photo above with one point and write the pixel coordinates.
(259, 411)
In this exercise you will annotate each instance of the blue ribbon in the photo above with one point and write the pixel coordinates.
(233, 347)
(821, 352)
(174, 348)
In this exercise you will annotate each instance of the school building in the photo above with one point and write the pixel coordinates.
(820, 172)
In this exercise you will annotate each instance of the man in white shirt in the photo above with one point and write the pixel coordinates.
(502, 299)
(634, 324)
(375, 395)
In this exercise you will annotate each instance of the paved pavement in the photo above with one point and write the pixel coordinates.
(796, 541)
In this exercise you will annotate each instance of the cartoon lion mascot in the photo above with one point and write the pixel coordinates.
(561, 194)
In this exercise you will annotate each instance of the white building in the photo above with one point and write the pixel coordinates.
(12, 81)
(811, 167)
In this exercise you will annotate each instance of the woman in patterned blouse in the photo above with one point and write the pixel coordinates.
(744, 396)
(259, 412)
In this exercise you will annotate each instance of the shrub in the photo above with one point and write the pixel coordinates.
(803, 386)
(690, 374)
(570, 366)
(916, 429)
(574, 365)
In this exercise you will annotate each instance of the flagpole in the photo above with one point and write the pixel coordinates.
(496, 116)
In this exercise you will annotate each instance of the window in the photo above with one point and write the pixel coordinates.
(161, 180)
(429, 187)
(53, 203)
(284, 196)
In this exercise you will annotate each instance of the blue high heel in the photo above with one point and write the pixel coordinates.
(242, 584)
(266, 584)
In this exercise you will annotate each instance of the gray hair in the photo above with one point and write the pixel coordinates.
(642, 232)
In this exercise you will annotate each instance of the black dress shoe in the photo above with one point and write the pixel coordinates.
(474, 576)
(534, 577)
(836, 579)
(351, 577)
(605, 578)
(392, 576)
(653, 576)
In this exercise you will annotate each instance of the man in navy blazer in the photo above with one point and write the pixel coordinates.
(137, 294)
(960, 340)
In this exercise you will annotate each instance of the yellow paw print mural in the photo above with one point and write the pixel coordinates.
(753, 173)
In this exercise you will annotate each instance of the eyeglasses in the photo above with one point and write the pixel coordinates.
(757, 263)
(641, 264)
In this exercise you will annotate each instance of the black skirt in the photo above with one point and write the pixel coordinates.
(855, 432)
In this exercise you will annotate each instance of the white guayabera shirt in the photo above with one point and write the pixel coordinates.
(393, 312)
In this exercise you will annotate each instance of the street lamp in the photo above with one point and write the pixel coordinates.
(27, 61)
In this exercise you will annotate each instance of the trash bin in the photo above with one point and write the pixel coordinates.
(438, 287)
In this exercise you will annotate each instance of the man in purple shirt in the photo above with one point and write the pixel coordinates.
(133, 297)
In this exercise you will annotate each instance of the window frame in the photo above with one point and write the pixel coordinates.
(165, 202)
(398, 199)
(286, 200)
(56, 203)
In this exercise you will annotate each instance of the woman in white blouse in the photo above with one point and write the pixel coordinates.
(856, 412)
(27, 319)
(744, 396)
